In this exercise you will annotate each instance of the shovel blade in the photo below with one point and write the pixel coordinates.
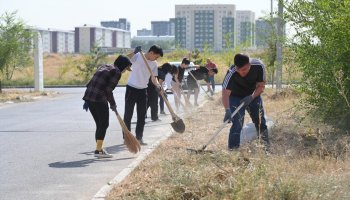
(178, 126)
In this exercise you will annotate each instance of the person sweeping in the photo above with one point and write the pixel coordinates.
(98, 93)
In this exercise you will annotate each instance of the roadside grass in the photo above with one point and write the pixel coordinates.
(307, 161)
(16, 96)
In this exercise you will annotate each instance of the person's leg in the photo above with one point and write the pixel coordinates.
(153, 99)
(237, 123)
(256, 112)
(196, 92)
(212, 81)
(141, 111)
(130, 100)
(161, 104)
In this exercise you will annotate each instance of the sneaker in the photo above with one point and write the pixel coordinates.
(141, 142)
(162, 112)
(102, 154)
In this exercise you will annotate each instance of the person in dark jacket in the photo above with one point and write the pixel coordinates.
(99, 93)
(193, 76)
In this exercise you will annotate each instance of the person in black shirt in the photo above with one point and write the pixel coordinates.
(193, 76)
(244, 82)
(176, 84)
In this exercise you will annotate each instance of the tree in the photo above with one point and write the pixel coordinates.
(322, 49)
(15, 45)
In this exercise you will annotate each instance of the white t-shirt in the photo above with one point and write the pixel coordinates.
(139, 75)
(167, 81)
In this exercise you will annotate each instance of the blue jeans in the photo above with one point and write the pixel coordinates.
(256, 112)
(212, 81)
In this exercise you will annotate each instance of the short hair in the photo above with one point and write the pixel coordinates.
(185, 61)
(240, 60)
(156, 49)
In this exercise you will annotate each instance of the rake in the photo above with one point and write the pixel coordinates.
(129, 139)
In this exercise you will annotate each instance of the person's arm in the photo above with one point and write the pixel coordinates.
(114, 78)
(225, 98)
(260, 86)
(136, 50)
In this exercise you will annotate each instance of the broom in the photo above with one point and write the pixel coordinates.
(129, 139)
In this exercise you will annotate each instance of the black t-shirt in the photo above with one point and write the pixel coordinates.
(244, 86)
(180, 76)
(200, 74)
(161, 76)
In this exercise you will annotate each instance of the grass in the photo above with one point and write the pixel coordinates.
(308, 160)
(22, 96)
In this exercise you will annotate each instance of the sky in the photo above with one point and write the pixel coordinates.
(67, 14)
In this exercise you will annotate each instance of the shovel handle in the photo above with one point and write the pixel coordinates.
(161, 89)
(199, 85)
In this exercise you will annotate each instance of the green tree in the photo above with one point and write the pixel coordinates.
(322, 49)
(91, 62)
(15, 45)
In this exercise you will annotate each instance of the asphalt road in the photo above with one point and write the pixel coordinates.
(47, 147)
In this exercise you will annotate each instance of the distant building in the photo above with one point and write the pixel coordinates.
(200, 26)
(168, 38)
(144, 32)
(162, 28)
(107, 38)
(121, 24)
(245, 27)
(56, 41)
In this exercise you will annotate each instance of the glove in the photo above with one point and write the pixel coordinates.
(247, 100)
(227, 115)
(114, 108)
(86, 106)
(137, 49)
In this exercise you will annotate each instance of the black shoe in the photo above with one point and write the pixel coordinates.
(156, 120)
(162, 112)
(141, 142)
(102, 154)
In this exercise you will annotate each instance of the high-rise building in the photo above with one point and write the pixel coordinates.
(86, 37)
(144, 32)
(121, 24)
(263, 30)
(200, 26)
(163, 28)
(245, 27)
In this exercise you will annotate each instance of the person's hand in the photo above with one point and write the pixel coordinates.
(86, 106)
(158, 89)
(137, 49)
(247, 100)
(227, 115)
(114, 108)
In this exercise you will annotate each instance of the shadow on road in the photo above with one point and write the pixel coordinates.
(83, 163)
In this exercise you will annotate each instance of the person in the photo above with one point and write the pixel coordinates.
(176, 83)
(244, 83)
(166, 84)
(201, 73)
(211, 66)
(136, 88)
(152, 100)
(99, 93)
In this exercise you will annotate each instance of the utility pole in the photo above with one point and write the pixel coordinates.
(279, 46)
(38, 63)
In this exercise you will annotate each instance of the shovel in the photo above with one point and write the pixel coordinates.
(177, 124)
(202, 150)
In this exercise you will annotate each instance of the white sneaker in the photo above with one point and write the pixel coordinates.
(102, 154)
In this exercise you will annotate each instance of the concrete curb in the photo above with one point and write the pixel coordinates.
(103, 192)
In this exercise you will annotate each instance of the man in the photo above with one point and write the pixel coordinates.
(211, 66)
(152, 93)
(98, 93)
(193, 76)
(244, 82)
(136, 89)
(176, 83)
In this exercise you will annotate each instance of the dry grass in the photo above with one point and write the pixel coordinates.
(23, 96)
(308, 161)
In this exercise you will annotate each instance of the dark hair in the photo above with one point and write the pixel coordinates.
(215, 70)
(240, 60)
(122, 62)
(167, 67)
(156, 49)
(174, 69)
(185, 61)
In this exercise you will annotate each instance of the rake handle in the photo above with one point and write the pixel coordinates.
(161, 89)
(223, 126)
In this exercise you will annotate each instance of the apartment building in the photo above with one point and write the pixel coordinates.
(122, 23)
(144, 32)
(200, 26)
(108, 38)
(163, 28)
(245, 28)
(56, 41)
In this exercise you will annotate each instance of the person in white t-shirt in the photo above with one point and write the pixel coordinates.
(136, 89)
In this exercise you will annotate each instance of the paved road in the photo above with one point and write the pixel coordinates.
(47, 148)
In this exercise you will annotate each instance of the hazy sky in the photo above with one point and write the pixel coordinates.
(66, 14)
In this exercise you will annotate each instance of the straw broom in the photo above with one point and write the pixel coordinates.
(129, 139)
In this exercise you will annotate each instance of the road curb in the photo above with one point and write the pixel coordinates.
(103, 192)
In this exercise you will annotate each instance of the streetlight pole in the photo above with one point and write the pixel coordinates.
(279, 46)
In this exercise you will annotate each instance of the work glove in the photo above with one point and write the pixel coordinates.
(86, 106)
(137, 49)
(114, 108)
(227, 115)
(247, 100)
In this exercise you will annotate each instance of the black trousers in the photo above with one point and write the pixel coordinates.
(100, 113)
(152, 102)
(139, 97)
(161, 102)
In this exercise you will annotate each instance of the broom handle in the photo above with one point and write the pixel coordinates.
(161, 90)
(121, 122)
(223, 126)
(199, 84)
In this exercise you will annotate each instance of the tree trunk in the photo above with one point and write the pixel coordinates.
(0, 87)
